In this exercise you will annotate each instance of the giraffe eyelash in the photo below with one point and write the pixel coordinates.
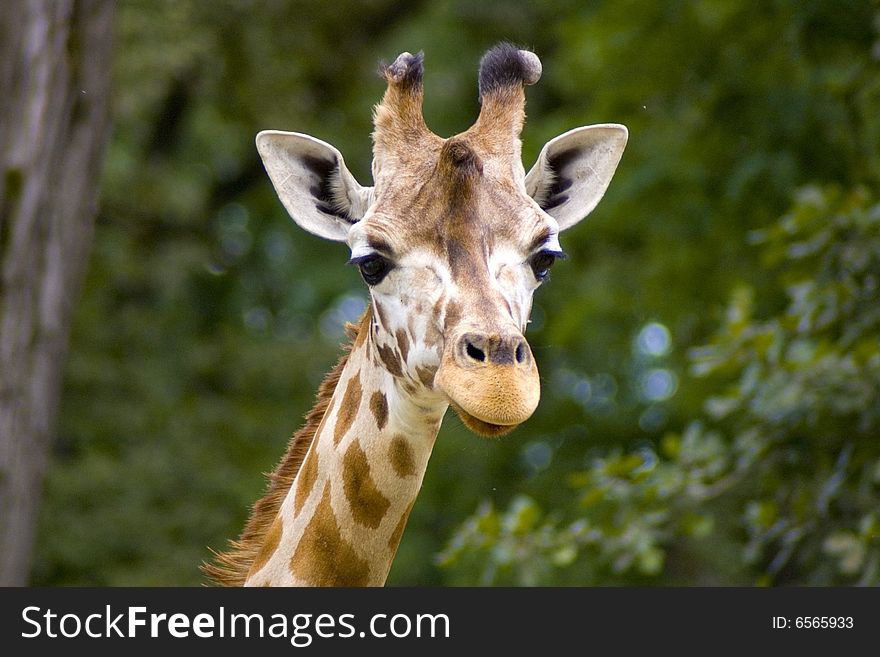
(541, 262)
(373, 267)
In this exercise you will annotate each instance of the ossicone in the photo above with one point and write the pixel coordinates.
(505, 65)
(406, 71)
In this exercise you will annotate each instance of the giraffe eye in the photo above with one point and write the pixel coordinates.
(373, 267)
(542, 261)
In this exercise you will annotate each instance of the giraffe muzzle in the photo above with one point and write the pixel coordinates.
(491, 381)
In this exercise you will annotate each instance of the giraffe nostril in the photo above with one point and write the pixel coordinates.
(520, 353)
(475, 352)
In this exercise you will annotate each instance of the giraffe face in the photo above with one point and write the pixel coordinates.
(451, 266)
(454, 237)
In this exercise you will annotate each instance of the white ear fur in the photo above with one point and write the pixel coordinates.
(313, 183)
(574, 170)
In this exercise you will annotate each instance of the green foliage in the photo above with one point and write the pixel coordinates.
(792, 451)
(626, 507)
(803, 403)
(208, 319)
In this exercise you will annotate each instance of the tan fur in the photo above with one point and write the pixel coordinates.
(367, 503)
(342, 566)
(231, 568)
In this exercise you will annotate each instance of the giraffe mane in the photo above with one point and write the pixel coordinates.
(231, 568)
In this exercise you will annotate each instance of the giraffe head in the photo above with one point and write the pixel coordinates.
(454, 237)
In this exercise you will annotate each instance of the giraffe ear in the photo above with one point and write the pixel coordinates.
(313, 183)
(574, 170)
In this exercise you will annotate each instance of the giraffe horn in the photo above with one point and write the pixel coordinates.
(504, 71)
(505, 66)
(398, 121)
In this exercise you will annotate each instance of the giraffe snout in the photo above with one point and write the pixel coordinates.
(491, 380)
(475, 349)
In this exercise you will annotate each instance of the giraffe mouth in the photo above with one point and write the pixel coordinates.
(481, 427)
(490, 401)
(490, 380)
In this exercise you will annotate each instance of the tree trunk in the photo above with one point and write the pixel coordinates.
(54, 92)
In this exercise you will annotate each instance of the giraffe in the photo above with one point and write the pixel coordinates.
(451, 240)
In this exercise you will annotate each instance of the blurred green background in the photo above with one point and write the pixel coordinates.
(710, 351)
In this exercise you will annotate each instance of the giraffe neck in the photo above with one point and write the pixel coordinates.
(342, 519)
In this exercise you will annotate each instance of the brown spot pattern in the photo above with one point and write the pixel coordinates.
(305, 480)
(379, 407)
(397, 534)
(390, 359)
(273, 538)
(426, 375)
(402, 343)
(362, 330)
(368, 504)
(433, 337)
(348, 408)
(323, 557)
(401, 456)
